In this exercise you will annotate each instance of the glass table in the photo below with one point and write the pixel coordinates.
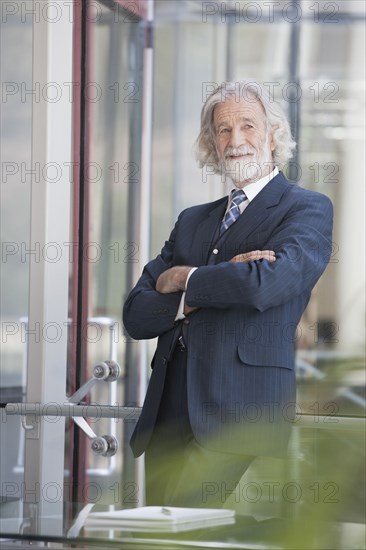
(314, 499)
(63, 527)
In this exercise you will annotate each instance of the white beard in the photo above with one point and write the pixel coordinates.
(251, 168)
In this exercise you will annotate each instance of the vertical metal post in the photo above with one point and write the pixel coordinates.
(179, 37)
(293, 98)
(48, 288)
(139, 233)
(293, 90)
(231, 38)
(83, 35)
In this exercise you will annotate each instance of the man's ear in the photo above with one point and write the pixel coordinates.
(272, 130)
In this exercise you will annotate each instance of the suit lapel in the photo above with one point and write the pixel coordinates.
(236, 238)
(205, 233)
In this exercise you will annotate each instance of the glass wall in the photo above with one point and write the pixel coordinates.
(332, 143)
(113, 148)
(16, 168)
(197, 45)
(16, 118)
(195, 48)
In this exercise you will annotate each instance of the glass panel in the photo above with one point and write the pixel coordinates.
(189, 58)
(114, 140)
(191, 52)
(308, 502)
(16, 120)
(197, 45)
(16, 129)
(332, 142)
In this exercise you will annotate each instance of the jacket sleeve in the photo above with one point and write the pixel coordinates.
(303, 246)
(146, 312)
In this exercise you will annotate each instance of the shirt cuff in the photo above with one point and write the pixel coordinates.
(189, 274)
(180, 315)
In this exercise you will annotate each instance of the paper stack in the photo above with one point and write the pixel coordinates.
(159, 519)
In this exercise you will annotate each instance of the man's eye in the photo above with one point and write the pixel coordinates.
(224, 131)
(248, 126)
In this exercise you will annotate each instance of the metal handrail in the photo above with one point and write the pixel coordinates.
(70, 410)
(302, 420)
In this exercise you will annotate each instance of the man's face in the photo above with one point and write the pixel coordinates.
(244, 144)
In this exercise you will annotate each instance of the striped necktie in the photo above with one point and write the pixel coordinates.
(233, 212)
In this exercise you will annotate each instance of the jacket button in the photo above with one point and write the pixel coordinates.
(215, 251)
(164, 360)
(186, 322)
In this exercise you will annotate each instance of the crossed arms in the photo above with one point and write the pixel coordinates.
(289, 264)
(174, 279)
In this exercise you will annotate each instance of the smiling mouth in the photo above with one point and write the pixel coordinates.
(239, 156)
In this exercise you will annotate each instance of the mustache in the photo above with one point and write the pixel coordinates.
(238, 151)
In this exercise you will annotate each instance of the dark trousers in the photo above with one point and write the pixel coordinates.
(179, 471)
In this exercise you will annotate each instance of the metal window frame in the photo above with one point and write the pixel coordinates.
(48, 281)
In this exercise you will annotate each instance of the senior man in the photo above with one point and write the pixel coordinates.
(224, 297)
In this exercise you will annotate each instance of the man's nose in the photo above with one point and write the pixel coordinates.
(237, 137)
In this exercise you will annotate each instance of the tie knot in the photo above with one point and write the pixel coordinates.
(237, 196)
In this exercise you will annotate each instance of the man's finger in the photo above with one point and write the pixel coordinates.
(253, 255)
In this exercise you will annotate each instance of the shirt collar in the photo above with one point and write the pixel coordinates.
(252, 189)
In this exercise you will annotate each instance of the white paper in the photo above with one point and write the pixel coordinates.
(157, 518)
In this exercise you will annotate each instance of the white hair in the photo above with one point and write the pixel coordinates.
(250, 90)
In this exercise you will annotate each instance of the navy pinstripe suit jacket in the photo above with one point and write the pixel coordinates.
(241, 340)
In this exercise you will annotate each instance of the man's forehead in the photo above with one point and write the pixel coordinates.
(239, 109)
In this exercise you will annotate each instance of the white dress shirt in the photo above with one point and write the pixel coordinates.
(251, 190)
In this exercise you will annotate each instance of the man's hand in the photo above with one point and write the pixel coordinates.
(268, 255)
(173, 279)
(188, 309)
